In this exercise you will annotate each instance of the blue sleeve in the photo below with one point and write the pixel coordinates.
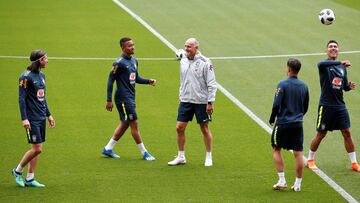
(139, 79)
(22, 97)
(279, 93)
(346, 82)
(110, 83)
(326, 63)
(306, 102)
(47, 109)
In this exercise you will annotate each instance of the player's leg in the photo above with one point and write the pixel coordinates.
(203, 119)
(279, 165)
(138, 140)
(350, 148)
(299, 168)
(30, 177)
(315, 142)
(118, 132)
(208, 143)
(185, 114)
(324, 123)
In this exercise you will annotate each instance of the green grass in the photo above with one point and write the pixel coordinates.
(71, 165)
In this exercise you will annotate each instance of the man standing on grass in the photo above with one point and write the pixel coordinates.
(332, 112)
(125, 73)
(34, 111)
(197, 96)
(290, 105)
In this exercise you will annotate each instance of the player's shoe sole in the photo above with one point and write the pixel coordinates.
(279, 186)
(34, 183)
(177, 161)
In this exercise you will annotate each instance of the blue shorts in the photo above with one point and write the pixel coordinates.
(126, 111)
(186, 112)
(288, 136)
(332, 118)
(36, 134)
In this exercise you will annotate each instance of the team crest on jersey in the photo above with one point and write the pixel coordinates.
(132, 78)
(337, 82)
(40, 94)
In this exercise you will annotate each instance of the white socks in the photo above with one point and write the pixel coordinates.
(281, 177)
(30, 176)
(352, 156)
(19, 169)
(142, 148)
(111, 144)
(181, 154)
(208, 155)
(298, 181)
(311, 155)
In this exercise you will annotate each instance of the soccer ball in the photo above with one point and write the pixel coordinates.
(327, 16)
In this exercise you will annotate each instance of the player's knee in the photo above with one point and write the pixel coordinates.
(37, 150)
(180, 129)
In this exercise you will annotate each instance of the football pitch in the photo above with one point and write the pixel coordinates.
(250, 42)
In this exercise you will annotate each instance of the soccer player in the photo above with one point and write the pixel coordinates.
(197, 96)
(290, 105)
(125, 72)
(34, 111)
(332, 112)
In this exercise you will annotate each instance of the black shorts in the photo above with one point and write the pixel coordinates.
(126, 111)
(186, 112)
(332, 118)
(288, 136)
(36, 134)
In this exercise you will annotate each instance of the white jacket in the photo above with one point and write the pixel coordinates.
(197, 80)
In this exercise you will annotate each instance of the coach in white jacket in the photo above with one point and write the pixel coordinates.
(197, 96)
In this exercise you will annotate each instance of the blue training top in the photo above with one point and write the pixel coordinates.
(291, 101)
(125, 73)
(333, 80)
(32, 101)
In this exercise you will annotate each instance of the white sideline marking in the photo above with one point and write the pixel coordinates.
(88, 59)
(321, 174)
(173, 59)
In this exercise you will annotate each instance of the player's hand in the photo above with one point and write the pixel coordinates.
(51, 121)
(209, 108)
(152, 82)
(26, 124)
(346, 63)
(109, 106)
(352, 85)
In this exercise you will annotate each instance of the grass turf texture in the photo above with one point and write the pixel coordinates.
(71, 165)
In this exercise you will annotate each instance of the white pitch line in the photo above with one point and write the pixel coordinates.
(321, 174)
(173, 59)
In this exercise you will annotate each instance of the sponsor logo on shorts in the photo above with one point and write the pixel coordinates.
(33, 137)
(131, 117)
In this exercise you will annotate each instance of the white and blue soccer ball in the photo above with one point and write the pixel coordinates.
(327, 16)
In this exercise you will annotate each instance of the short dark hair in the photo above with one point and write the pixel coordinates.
(332, 41)
(123, 40)
(294, 65)
(35, 57)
